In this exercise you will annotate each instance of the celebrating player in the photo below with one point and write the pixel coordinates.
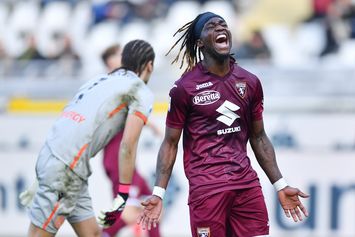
(114, 102)
(219, 106)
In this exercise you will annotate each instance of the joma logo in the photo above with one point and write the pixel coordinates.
(204, 85)
(206, 97)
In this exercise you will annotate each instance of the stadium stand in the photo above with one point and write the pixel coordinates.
(63, 39)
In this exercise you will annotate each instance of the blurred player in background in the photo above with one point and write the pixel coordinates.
(139, 187)
(109, 104)
(219, 106)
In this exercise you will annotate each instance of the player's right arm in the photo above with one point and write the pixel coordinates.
(165, 163)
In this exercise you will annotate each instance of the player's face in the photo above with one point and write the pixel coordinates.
(216, 37)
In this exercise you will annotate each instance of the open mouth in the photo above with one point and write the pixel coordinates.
(222, 40)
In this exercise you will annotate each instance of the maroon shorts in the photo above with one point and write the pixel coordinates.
(234, 213)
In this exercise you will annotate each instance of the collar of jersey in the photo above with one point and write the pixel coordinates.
(123, 71)
(232, 65)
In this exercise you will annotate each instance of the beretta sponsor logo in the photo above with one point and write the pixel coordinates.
(206, 97)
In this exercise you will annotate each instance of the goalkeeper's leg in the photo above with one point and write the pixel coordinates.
(34, 231)
(87, 228)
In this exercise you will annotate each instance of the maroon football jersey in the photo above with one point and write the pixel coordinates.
(215, 114)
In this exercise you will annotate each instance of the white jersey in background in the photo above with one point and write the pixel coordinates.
(95, 114)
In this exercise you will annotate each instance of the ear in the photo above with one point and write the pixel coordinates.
(150, 66)
(199, 43)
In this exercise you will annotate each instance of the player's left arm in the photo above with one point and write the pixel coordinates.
(128, 147)
(127, 156)
(265, 155)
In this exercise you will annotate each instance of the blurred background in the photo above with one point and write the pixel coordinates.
(302, 50)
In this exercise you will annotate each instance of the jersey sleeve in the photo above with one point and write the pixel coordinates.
(142, 104)
(258, 102)
(178, 107)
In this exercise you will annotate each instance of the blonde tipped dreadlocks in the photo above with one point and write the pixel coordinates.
(191, 33)
(191, 52)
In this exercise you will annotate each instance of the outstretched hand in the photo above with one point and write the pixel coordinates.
(289, 200)
(150, 215)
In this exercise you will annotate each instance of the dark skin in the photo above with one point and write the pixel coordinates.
(217, 61)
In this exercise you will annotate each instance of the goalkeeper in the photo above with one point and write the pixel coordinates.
(111, 103)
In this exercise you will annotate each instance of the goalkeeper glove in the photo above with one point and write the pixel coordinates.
(107, 218)
(26, 197)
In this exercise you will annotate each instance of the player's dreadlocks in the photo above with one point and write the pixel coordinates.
(136, 54)
(191, 33)
(189, 43)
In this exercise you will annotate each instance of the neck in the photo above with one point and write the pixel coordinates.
(217, 67)
(144, 76)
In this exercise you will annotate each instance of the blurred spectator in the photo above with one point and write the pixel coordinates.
(339, 25)
(120, 11)
(2, 51)
(349, 16)
(112, 57)
(148, 9)
(254, 48)
(320, 8)
(264, 13)
(31, 53)
(72, 2)
(69, 61)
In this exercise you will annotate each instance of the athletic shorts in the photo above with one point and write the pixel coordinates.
(233, 213)
(61, 194)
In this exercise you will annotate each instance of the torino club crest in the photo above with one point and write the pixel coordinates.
(241, 88)
(203, 232)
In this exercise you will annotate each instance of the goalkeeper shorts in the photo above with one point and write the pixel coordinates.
(61, 194)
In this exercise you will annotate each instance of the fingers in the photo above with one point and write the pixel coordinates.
(145, 203)
(296, 213)
(303, 209)
(140, 219)
(101, 218)
(302, 194)
(291, 213)
(147, 221)
(150, 223)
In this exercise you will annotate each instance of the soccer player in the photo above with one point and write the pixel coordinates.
(219, 107)
(114, 102)
(139, 186)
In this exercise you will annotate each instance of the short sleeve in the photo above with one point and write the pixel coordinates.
(258, 102)
(178, 107)
(142, 104)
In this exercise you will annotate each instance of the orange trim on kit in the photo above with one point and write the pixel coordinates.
(117, 109)
(142, 116)
(77, 157)
(55, 209)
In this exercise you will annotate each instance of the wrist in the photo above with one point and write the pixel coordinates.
(123, 190)
(280, 184)
(159, 191)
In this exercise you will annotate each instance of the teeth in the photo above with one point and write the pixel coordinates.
(221, 37)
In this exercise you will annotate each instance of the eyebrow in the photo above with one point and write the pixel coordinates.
(220, 21)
